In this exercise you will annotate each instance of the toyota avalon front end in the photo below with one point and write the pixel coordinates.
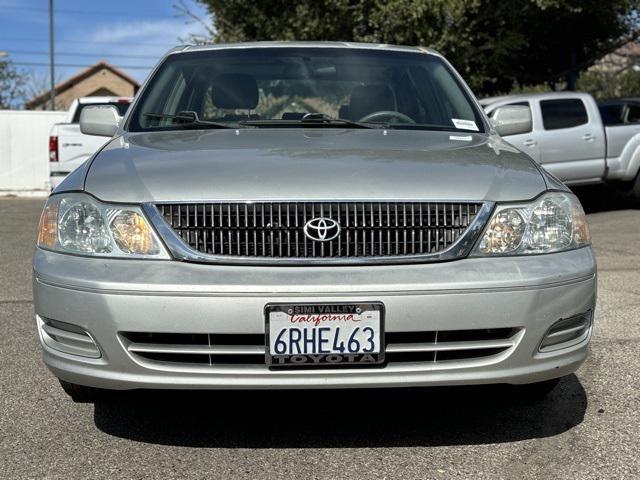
(299, 215)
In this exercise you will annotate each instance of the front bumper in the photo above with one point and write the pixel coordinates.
(105, 297)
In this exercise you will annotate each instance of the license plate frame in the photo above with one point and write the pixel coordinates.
(321, 360)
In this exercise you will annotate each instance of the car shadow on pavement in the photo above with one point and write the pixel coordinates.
(605, 198)
(341, 418)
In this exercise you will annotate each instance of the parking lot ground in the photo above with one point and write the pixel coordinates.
(586, 429)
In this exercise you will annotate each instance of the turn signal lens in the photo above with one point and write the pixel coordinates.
(581, 233)
(48, 228)
(133, 234)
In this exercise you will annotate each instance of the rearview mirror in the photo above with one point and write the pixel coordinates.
(100, 120)
(512, 120)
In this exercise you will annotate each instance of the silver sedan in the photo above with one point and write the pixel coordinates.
(309, 215)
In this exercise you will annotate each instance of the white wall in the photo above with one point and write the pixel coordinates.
(24, 150)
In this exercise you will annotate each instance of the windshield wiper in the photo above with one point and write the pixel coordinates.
(188, 118)
(315, 119)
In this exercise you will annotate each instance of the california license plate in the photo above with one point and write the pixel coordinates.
(308, 335)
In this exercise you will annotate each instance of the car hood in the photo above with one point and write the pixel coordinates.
(312, 164)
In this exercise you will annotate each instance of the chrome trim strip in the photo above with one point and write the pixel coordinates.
(567, 331)
(72, 345)
(449, 346)
(183, 252)
(76, 337)
(313, 293)
(323, 200)
(179, 349)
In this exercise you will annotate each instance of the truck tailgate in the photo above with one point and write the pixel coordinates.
(74, 147)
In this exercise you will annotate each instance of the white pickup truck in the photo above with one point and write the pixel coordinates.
(569, 138)
(68, 146)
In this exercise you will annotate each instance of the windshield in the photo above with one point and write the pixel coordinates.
(278, 87)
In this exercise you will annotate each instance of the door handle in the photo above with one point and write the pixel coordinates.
(588, 137)
(529, 143)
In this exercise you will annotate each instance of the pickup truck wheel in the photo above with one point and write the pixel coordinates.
(82, 394)
(635, 189)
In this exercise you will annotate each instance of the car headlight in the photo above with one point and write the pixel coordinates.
(552, 223)
(78, 223)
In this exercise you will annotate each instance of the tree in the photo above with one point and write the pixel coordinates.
(12, 85)
(493, 43)
(605, 84)
(37, 83)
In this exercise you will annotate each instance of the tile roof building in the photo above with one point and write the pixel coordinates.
(100, 79)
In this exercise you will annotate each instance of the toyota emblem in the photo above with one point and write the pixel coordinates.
(322, 229)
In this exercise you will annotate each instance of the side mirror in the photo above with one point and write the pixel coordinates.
(100, 120)
(512, 120)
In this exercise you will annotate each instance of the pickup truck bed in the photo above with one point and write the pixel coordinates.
(568, 137)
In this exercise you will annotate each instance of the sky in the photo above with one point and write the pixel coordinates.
(129, 34)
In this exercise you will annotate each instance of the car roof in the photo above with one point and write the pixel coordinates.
(491, 103)
(489, 100)
(550, 94)
(84, 100)
(298, 44)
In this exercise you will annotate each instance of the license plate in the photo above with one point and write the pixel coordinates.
(308, 335)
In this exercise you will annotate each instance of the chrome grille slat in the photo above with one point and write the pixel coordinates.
(221, 233)
(238, 230)
(275, 230)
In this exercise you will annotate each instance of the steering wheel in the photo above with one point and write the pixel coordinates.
(383, 115)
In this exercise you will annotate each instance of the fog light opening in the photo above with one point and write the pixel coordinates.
(567, 332)
(68, 338)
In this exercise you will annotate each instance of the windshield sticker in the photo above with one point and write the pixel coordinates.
(465, 124)
(460, 138)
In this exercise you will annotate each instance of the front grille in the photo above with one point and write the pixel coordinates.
(264, 230)
(197, 348)
(243, 350)
(446, 345)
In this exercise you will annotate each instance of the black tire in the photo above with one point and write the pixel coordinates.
(635, 189)
(538, 389)
(82, 394)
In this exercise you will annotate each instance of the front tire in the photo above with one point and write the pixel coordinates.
(82, 394)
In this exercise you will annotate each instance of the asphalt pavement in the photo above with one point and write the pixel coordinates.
(588, 428)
